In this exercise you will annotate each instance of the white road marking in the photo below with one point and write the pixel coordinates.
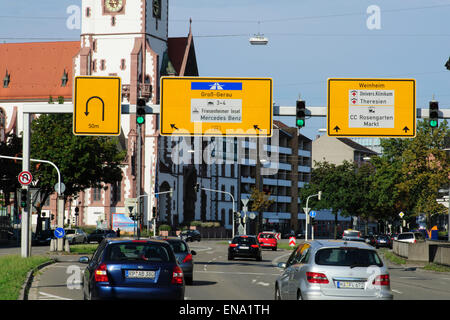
(396, 291)
(241, 273)
(51, 296)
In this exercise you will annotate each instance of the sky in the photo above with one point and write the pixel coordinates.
(309, 42)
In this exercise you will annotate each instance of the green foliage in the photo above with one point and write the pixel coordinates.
(405, 178)
(84, 161)
(165, 227)
(10, 169)
(259, 200)
(13, 273)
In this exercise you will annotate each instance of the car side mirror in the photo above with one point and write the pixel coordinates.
(193, 252)
(281, 265)
(84, 259)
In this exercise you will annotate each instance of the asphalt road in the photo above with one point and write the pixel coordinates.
(216, 278)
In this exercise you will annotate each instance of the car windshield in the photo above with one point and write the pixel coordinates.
(178, 246)
(267, 236)
(152, 252)
(349, 257)
(405, 236)
(244, 240)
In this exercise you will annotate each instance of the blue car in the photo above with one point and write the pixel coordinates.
(133, 269)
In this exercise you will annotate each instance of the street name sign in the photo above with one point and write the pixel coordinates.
(371, 108)
(235, 107)
(97, 106)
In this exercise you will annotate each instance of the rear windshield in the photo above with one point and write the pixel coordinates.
(70, 231)
(405, 236)
(152, 252)
(351, 257)
(178, 246)
(267, 236)
(351, 233)
(241, 240)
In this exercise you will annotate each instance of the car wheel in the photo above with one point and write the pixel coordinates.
(274, 249)
(299, 295)
(188, 280)
(277, 293)
(259, 258)
(230, 257)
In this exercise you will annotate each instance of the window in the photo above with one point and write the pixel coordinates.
(223, 194)
(122, 64)
(102, 64)
(347, 257)
(96, 194)
(116, 192)
(88, 12)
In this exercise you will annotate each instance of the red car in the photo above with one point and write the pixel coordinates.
(267, 240)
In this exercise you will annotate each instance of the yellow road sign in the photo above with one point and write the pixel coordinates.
(216, 106)
(97, 106)
(371, 108)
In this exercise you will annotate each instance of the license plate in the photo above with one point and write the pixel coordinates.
(350, 285)
(243, 247)
(139, 274)
(382, 241)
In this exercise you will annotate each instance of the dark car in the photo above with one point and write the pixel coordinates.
(244, 247)
(100, 234)
(383, 241)
(133, 269)
(191, 235)
(44, 237)
(184, 257)
(298, 235)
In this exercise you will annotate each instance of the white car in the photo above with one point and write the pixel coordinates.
(411, 237)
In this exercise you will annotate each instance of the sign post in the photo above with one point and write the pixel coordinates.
(371, 108)
(97, 106)
(216, 107)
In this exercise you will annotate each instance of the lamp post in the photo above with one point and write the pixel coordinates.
(319, 196)
(232, 198)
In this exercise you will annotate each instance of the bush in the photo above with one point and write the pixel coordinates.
(165, 227)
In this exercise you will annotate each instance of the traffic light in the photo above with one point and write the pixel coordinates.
(77, 211)
(434, 114)
(154, 212)
(300, 112)
(23, 198)
(140, 111)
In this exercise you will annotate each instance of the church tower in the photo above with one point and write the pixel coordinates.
(127, 39)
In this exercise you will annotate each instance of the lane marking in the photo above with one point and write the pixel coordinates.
(51, 296)
(241, 273)
(396, 291)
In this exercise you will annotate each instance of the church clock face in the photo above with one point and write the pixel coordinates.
(113, 5)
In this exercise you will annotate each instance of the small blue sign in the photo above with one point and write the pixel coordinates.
(216, 85)
(59, 233)
(312, 214)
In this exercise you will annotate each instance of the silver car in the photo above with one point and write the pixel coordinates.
(332, 270)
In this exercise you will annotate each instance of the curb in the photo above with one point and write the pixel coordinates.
(29, 280)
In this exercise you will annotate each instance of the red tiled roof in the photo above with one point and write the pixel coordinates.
(36, 69)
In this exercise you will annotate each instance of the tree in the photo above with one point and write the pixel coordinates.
(259, 202)
(10, 169)
(340, 190)
(425, 169)
(84, 161)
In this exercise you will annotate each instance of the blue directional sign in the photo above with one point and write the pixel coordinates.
(60, 233)
(312, 214)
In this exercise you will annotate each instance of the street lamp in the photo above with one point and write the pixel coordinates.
(319, 196)
(232, 198)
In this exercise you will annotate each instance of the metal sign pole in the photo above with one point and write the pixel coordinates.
(26, 217)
